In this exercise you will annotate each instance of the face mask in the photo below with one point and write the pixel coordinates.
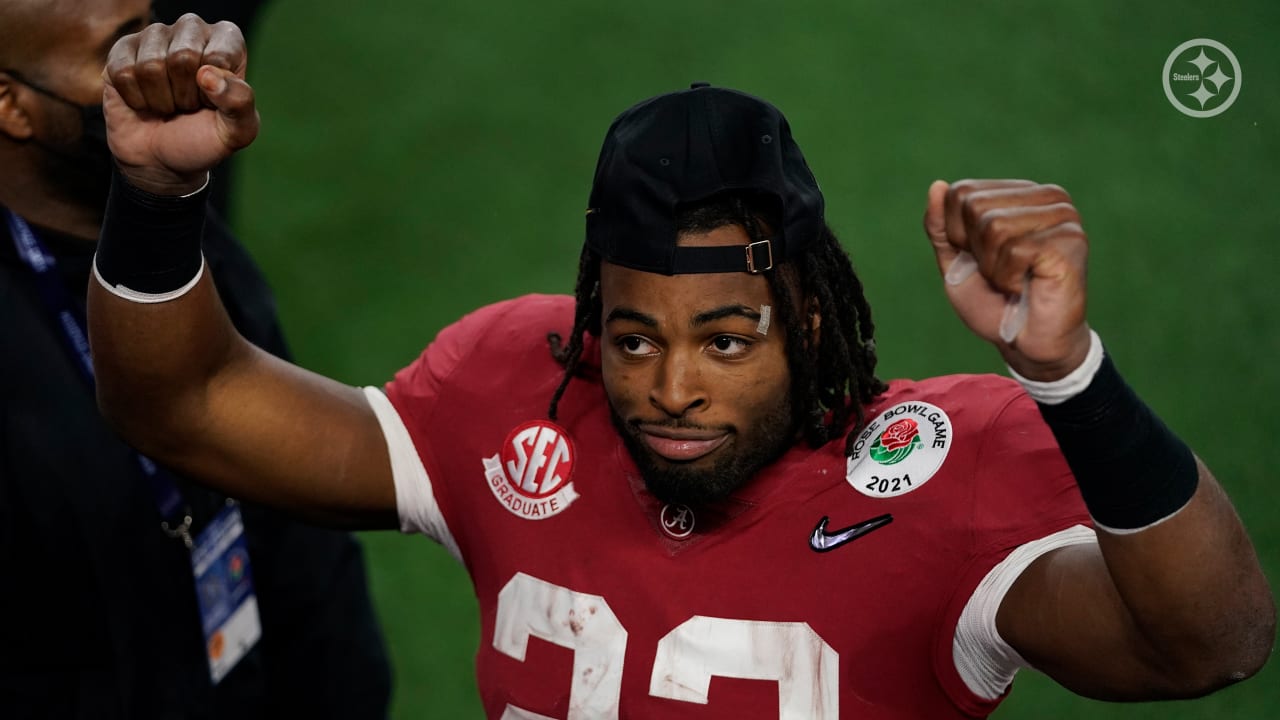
(82, 167)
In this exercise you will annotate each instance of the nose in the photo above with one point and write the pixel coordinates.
(678, 388)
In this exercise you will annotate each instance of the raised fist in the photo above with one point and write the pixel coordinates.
(177, 104)
(1012, 253)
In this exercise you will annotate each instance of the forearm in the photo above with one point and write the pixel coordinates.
(158, 342)
(155, 362)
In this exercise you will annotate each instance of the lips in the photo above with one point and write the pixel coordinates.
(681, 445)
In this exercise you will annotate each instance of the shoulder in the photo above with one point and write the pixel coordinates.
(527, 318)
(976, 391)
(971, 402)
(489, 347)
(961, 427)
(506, 329)
(992, 407)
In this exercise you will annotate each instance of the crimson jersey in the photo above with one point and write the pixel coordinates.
(828, 587)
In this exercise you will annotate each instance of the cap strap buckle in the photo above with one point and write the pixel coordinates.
(753, 266)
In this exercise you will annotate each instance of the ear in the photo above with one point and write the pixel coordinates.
(15, 122)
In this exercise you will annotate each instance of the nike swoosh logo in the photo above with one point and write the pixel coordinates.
(823, 541)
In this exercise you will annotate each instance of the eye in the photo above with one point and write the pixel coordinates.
(730, 345)
(635, 346)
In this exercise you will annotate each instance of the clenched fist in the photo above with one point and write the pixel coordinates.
(177, 104)
(1013, 255)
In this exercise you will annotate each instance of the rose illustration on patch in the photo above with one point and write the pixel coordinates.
(896, 442)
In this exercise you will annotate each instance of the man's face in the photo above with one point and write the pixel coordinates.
(65, 42)
(53, 73)
(698, 388)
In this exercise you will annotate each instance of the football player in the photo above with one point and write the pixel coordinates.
(689, 470)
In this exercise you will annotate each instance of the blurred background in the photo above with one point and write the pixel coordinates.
(418, 160)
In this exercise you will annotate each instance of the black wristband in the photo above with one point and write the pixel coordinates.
(1132, 470)
(150, 243)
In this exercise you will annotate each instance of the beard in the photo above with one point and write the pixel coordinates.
(735, 463)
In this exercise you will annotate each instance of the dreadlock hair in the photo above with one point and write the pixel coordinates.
(832, 364)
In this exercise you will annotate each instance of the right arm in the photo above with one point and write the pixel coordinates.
(175, 378)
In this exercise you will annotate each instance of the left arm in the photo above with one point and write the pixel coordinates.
(1170, 608)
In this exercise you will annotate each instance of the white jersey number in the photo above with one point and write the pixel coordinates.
(577, 621)
(805, 667)
(791, 654)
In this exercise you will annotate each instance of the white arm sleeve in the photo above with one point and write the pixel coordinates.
(415, 500)
(984, 660)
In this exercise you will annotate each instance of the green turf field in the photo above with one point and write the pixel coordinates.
(420, 159)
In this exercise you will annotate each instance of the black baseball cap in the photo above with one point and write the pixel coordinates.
(684, 147)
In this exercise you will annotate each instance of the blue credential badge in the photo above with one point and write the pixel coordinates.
(224, 589)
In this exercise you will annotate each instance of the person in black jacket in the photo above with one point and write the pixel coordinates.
(100, 607)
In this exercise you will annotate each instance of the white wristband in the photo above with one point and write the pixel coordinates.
(208, 178)
(1061, 390)
(121, 291)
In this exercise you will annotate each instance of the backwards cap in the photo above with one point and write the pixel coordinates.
(684, 147)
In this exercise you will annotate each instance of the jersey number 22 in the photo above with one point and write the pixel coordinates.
(791, 654)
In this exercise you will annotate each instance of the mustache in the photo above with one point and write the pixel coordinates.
(678, 424)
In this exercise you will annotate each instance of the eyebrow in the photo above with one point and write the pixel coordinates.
(702, 318)
(723, 312)
(623, 313)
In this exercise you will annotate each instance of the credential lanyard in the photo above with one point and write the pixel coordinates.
(175, 519)
(220, 555)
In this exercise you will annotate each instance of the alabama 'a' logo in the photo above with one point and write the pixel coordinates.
(532, 475)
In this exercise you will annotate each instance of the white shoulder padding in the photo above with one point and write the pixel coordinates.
(984, 660)
(415, 500)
